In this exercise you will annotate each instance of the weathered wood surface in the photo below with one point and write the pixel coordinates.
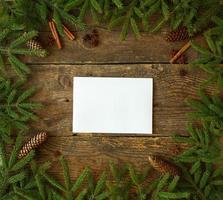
(131, 58)
(150, 48)
(98, 151)
(172, 84)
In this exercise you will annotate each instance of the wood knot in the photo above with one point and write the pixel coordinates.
(64, 81)
(183, 72)
(160, 68)
(57, 154)
(66, 100)
(90, 74)
(176, 149)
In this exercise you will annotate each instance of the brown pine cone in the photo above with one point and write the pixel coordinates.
(34, 44)
(91, 39)
(163, 166)
(33, 143)
(178, 35)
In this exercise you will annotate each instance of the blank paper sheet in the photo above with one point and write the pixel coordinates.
(112, 105)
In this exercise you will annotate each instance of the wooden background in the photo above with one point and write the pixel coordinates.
(146, 57)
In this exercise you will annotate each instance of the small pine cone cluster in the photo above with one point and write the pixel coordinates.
(163, 166)
(32, 144)
(91, 39)
(181, 60)
(178, 35)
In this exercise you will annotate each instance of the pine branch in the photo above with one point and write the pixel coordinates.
(213, 56)
(213, 37)
(97, 189)
(14, 104)
(16, 48)
(60, 13)
(98, 9)
(117, 188)
(13, 172)
(204, 147)
(192, 14)
(76, 185)
(15, 108)
(29, 16)
(202, 181)
(208, 109)
(138, 181)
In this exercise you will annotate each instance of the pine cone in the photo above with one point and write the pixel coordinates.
(34, 44)
(33, 143)
(91, 39)
(179, 35)
(163, 166)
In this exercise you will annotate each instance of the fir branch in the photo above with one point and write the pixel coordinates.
(97, 189)
(61, 14)
(138, 181)
(205, 148)
(80, 180)
(12, 171)
(15, 48)
(15, 106)
(117, 188)
(53, 182)
(208, 111)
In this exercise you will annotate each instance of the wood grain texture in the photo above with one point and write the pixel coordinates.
(98, 151)
(150, 48)
(172, 84)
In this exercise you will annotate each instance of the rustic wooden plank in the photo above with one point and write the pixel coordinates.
(97, 152)
(150, 48)
(172, 84)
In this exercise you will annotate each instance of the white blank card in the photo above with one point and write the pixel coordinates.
(112, 105)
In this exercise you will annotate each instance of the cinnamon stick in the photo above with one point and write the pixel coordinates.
(68, 33)
(51, 29)
(55, 34)
(180, 52)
